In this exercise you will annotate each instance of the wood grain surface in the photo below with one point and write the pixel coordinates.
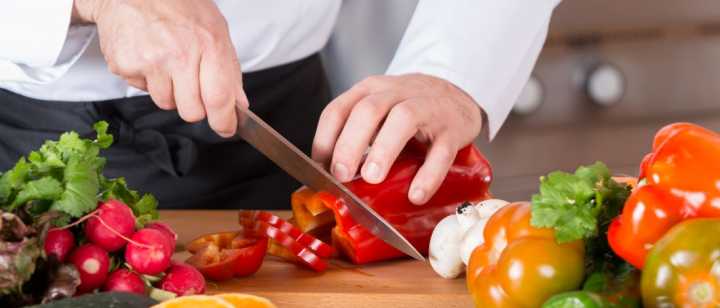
(399, 283)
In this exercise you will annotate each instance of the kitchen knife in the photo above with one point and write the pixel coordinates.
(298, 165)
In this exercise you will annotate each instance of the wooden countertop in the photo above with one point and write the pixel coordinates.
(399, 283)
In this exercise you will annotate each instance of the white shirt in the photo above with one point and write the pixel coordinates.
(485, 47)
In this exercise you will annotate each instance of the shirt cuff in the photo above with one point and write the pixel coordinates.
(34, 31)
(75, 43)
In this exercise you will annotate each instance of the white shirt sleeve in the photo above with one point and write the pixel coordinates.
(486, 47)
(38, 43)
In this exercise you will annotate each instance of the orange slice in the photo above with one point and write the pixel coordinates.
(240, 300)
(196, 301)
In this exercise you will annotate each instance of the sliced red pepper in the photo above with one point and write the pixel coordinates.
(320, 248)
(304, 254)
(467, 180)
(222, 256)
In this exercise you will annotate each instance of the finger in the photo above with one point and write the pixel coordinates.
(219, 85)
(331, 122)
(240, 95)
(360, 127)
(160, 87)
(187, 91)
(432, 173)
(400, 125)
(137, 82)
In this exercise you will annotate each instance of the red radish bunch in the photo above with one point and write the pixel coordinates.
(149, 252)
(183, 279)
(93, 263)
(111, 233)
(123, 280)
(113, 223)
(59, 243)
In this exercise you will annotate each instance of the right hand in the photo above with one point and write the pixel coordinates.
(179, 51)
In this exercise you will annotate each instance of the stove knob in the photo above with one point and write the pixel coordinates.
(605, 85)
(530, 98)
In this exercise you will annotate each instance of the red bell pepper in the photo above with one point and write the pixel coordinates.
(682, 181)
(468, 180)
(222, 256)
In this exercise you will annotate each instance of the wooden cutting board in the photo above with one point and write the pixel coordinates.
(399, 283)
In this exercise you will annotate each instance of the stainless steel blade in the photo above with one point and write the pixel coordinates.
(288, 157)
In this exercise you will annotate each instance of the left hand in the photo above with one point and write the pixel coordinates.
(381, 113)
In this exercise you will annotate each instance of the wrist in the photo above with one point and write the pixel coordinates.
(84, 11)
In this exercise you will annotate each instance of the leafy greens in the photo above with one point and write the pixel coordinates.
(65, 176)
(580, 206)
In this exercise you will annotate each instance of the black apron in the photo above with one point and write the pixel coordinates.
(186, 166)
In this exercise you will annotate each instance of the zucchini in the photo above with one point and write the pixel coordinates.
(104, 299)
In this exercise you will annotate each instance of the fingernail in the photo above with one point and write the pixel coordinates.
(371, 172)
(340, 172)
(417, 195)
(225, 134)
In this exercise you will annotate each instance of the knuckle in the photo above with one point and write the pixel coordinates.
(373, 81)
(153, 56)
(405, 112)
(444, 152)
(345, 150)
(216, 99)
(369, 108)
(120, 67)
(379, 153)
(330, 113)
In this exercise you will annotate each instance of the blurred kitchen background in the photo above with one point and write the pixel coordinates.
(611, 74)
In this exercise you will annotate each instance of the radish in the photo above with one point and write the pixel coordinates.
(113, 223)
(149, 251)
(123, 280)
(59, 242)
(183, 279)
(165, 229)
(92, 262)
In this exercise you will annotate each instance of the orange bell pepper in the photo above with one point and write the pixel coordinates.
(468, 180)
(682, 181)
(519, 265)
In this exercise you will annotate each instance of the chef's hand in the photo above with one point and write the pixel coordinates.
(179, 51)
(381, 114)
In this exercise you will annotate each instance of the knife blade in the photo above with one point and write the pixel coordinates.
(298, 165)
